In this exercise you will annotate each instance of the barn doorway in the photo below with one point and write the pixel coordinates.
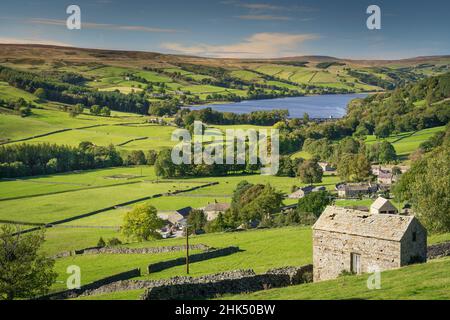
(355, 263)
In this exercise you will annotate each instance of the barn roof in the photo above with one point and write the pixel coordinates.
(218, 207)
(354, 222)
(381, 202)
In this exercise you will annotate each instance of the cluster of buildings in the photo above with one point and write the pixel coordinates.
(176, 220)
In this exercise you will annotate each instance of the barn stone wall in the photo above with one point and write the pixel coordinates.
(332, 253)
(414, 251)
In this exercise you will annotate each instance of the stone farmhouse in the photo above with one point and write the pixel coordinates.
(360, 242)
(212, 210)
(386, 178)
(383, 206)
(355, 190)
(176, 218)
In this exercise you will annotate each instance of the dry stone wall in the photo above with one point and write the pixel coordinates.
(124, 250)
(210, 287)
(439, 250)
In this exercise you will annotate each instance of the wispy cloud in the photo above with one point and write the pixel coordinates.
(259, 45)
(266, 11)
(264, 17)
(6, 40)
(105, 26)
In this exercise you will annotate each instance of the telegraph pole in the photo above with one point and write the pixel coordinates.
(187, 249)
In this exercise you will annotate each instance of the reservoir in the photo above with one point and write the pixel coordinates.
(320, 106)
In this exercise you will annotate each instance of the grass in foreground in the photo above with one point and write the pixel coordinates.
(424, 281)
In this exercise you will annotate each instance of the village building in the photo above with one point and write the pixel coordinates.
(383, 206)
(212, 210)
(300, 193)
(346, 240)
(177, 218)
(356, 190)
(376, 168)
(386, 178)
(326, 167)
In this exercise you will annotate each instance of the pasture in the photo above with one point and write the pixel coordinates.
(416, 282)
(407, 142)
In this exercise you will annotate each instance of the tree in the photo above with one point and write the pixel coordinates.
(196, 220)
(310, 172)
(387, 153)
(426, 187)
(151, 157)
(136, 157)
(142, 223)
(95, 109)
(262, 206)
(76, 110)
(24, 271)
(216, 225)
(105, 112)
(354, 167)
(383, 130)
(314, 202)
(164, 166)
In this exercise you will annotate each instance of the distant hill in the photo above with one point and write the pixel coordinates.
(196, 80)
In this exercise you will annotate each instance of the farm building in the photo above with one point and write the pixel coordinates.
(359, 242)
(383, 206)
(355, 190)
(385, 177)
(326, 167)
(212, 210)
(176, 217)
(300, 193)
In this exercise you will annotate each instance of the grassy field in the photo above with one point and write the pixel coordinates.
(261, 250)
(418, 282)
(408, 142)
(42, 185)
(55, 207)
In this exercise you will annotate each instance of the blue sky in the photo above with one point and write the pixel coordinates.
(234, 28)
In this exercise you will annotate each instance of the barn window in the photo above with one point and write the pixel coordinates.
(414, 236)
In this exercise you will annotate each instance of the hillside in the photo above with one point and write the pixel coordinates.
(198, 80)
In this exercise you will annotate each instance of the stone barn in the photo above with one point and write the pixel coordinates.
(359, 242)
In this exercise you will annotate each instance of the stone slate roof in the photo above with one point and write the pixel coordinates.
(354, 222)
(217, 207)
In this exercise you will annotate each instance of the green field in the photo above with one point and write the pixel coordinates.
(407, 142)
(261, 250)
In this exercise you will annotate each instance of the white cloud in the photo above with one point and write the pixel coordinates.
(106, 26)
(6, 40)
(259, 45)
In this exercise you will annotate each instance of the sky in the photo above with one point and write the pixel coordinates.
(235, 28)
